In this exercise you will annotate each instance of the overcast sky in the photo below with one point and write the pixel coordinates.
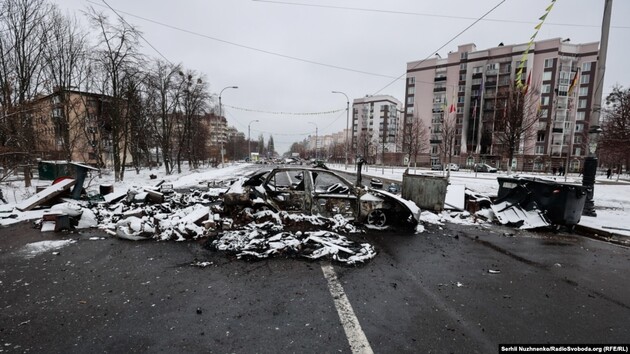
(287, 56)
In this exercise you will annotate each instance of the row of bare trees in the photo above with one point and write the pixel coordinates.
(149, 107)
(614, 141)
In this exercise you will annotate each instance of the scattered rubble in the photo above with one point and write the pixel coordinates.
(266, 215)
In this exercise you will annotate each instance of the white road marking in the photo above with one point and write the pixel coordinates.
(357, 339)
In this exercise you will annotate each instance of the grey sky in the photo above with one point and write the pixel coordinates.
(376, 42)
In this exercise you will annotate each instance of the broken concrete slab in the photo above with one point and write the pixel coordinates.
(46, 195)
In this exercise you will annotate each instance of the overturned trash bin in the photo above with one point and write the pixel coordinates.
(428, 192)
(561, 203)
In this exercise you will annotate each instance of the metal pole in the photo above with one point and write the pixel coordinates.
(220, 117)
(590, 163)
(347, 124)
(315, 139)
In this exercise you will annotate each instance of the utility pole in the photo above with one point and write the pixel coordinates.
(347, 123)
(590, 163)
(221, 135)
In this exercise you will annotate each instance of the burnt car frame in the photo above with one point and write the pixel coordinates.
(319, 192)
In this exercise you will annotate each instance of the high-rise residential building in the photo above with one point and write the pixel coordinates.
(375, 125)
(472, 87)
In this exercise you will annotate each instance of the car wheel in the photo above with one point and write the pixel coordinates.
(377, 217)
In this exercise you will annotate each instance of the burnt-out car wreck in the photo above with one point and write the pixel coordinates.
(316, 191)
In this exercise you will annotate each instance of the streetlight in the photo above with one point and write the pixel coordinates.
(590, 163)
(315, 139)
(220, 116)
(347, 120)
(249, 142)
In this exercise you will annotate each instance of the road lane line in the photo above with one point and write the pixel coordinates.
(357, 339)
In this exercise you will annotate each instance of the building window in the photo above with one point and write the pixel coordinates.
(549, 63)
(410, 110)
(462, 66)
(544, 100)
(584, 79)
(546, 76)
(540, 137)
(411, 80)
(546, 88)
(544, 113)
(578, 151)
(577, 139)
(579, 128)
(540, 150)
(583, 91)
(580, 116)
(409, 99)
(563, 90)
(463, 55)
(586, 66)
(477, 69)
(462, 88)
(582, 103)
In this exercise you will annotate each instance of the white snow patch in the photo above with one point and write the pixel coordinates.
(33, 249)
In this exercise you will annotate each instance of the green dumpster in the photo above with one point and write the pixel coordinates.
(51, 170)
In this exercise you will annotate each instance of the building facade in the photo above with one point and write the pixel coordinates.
(73, 125)
(472, 87)
(375, 126)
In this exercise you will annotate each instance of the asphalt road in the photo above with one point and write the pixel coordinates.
(430, 293)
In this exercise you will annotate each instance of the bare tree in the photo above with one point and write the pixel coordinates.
(447, 137)
(23, 33)
(117, 55)
(415, 139)
(163, 95)
(66, 66)
(518, 121)
(192, 104)
(614, 141)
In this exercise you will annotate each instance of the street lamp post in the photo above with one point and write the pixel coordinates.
(590, 163)
(221, 116)
(249, 144)
(347, 120)
(315, 139)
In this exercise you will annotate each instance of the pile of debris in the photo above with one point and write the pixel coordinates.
(255, 243)
(161, 213)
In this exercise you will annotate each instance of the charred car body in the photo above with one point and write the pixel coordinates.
(318, 191)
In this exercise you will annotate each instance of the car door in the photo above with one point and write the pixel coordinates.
(332, 195)
(288, 192)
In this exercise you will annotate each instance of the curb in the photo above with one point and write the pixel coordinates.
(602, 235)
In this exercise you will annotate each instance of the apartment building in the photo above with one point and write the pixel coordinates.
(375, 126)
(72, 125)
(472, 86)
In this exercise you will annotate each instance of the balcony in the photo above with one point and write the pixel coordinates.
(439, 89)
(439, 78)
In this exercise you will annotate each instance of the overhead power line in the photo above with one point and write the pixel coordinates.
(139, 34)
(427, 14)
(246, 46)
(444, 45)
